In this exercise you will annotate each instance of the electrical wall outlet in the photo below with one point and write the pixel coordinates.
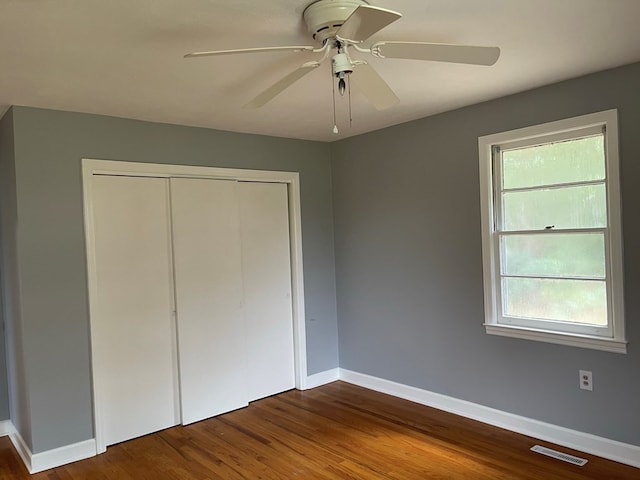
(586, 380)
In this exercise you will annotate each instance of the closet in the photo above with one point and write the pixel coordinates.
(192, 309)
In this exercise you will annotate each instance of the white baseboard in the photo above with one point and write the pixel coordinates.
(21, 447)
(584, 442)
(322, 378)
(63, 455)
(6, 428)
(51, 458)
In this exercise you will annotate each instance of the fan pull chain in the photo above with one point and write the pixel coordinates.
(335, 123)
(350, 116)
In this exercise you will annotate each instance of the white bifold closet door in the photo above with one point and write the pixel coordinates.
(216, 254)
(208, 272)
(233, 293)
(266, 269)
(135, 355)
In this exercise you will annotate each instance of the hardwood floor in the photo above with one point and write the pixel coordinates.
(338, 431)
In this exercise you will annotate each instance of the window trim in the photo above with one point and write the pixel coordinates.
(545, 133)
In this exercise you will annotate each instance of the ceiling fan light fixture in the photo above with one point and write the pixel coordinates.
(342, 66)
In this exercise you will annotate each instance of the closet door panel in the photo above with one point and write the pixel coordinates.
(266, 268)
(132, 329)
(207, 263)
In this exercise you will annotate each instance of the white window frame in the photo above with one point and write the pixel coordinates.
(611, 338)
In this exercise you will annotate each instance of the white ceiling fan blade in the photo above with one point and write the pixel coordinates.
(367, 80)
(365, 21)
(250, 50)
(437, 52)
(281, 85)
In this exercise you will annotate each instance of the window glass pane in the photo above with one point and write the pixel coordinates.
(579, 301)
(554, 254)
(561, 162)
(570, 207)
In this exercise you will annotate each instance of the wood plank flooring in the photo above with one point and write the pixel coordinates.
(337, 431)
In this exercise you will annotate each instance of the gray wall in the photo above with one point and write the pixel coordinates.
(7, 203)
(49, 146)
(409, 266)
(19, 411)
(4, 391)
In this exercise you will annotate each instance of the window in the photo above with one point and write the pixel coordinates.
(552, 240)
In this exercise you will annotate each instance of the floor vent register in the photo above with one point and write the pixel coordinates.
(559, 455)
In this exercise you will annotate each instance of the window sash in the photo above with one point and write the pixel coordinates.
(499, 232)
(546, 324)
(496, 166)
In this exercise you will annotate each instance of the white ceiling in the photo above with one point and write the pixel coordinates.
(125, 58)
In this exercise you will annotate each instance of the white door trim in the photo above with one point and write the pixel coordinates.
(91, 167)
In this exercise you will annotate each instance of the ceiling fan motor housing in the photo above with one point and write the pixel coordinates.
(325, 17)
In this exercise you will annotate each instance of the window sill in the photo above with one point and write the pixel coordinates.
(583, 341)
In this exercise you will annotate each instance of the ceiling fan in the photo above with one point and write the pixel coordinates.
(341, 26)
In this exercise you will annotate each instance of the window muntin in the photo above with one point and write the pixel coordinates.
(548, 257)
